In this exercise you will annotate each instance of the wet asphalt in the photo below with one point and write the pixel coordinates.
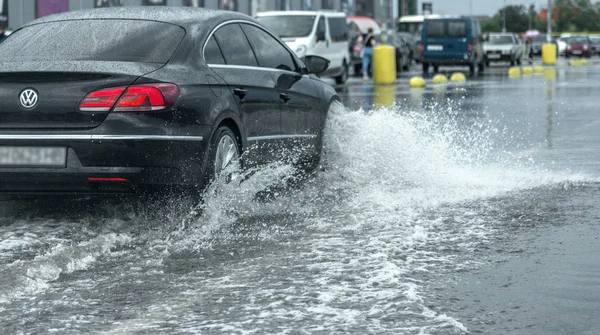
(464, 208)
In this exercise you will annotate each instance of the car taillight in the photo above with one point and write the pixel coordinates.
(421, 47)
(136, 98)
(470, 48)
(102, 100)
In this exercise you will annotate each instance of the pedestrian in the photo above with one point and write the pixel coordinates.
(3, 26)
(529, 49)
(369, 43)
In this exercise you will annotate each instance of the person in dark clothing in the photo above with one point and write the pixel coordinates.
(369, 43)
(3, 26)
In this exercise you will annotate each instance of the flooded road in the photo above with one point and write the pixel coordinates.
(468, 208)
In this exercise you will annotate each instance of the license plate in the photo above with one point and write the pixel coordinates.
(435, 47)
(492, 56)
(33, 156)
(576, 52)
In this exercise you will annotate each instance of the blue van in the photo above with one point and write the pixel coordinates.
(452, 41)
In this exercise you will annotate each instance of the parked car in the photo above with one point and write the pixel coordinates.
(503, 47)
(452, 41)
(595, 41)
(173, 99)
(358, 27)
(579, 46)
(537, 43)
(562, 45)
(403, 51)
(413, 44)
(323, 34)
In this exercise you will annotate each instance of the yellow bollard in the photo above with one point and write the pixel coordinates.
(584, 62)
(439, 79)
(416, 82)
(575, 62)
(538, 69)
(527, 70)
(458, 77)
(514, 72)
(384, 64)
(385, 96)
(549, 54)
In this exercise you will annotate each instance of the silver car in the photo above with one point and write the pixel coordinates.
(503, 47)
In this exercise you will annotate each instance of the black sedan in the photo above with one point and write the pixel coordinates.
(121, 100)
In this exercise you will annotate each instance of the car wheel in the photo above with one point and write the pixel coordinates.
(519, 61)
(341, 79)
(358, 70)
(436, 68)
(224, 156)
(487, 63)
(512, 62)
(425, 68)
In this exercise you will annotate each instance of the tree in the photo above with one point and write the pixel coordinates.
(517, 20)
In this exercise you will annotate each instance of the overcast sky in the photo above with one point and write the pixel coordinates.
(480, 7)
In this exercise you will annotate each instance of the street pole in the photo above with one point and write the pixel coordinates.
(549, 22)
(504, 17)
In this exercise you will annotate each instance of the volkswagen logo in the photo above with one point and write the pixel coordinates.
(28, 98)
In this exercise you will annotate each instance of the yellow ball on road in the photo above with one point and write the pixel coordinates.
(514, 72)
(439, 79)
(527, 70)
(458, 77)
(417, 82)
(538, 69)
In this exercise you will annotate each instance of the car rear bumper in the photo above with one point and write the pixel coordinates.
(107, 164)
(446, 61)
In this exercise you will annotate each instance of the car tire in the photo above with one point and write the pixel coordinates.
(220, 155)
(358, 70)
(519, 61)
(487, 63)
(436, 68)
(512, 62)
(425, 68)
(341, 79)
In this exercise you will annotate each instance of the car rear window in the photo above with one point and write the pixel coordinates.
(436, 29)
(447, 28)
(457, 29)
(102, 40)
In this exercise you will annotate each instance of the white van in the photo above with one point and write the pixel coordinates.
(319, 33)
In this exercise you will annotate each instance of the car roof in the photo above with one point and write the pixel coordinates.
(302, 12)
(183, 16)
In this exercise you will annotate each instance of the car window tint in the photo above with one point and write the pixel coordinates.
(338, 29)
(128, 41)
(212, 52)
(435, 29)
(235, 46)
(272, 53)
(457, 29)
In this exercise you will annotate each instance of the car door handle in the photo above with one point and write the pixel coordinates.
(285, 97)
(240, 92)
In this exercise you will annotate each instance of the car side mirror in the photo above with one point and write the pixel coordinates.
(320, 36)
(316, 64)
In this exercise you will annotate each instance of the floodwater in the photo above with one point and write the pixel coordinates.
(465, 208)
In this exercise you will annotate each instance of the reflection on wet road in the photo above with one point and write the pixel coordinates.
(466, 208)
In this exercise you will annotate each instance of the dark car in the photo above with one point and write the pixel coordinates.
(120, 100)
(579, 46)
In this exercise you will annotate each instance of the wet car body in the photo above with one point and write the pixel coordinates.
(190, 90)
(595, 45)
(579, 46)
